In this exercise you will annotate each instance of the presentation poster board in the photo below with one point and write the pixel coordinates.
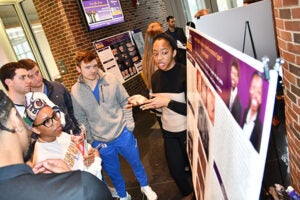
(119, 55)
(228, 130)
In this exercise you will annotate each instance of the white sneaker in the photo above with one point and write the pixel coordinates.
(150, 194)
(113, 192)
(128, 197)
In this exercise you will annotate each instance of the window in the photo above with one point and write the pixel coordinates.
(19, 42)
(22, 36)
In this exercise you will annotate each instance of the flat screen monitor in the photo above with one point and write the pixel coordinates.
(101, 13)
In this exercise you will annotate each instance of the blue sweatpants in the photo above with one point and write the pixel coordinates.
(126, 146)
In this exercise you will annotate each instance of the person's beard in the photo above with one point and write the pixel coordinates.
(29, 153)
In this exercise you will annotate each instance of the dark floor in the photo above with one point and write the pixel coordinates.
(150, 143)
(152, 154)
(276, 168)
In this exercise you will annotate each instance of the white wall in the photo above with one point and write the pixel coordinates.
(47, 54)
(6, 52)
(228, 27)
(174, 8)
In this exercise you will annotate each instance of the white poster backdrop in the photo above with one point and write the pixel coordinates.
(227, 163)
(229, 26)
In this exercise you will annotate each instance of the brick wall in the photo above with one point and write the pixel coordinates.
(66, 32)
(287, 22)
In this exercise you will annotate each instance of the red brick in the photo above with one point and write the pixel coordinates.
(285, 66)
(293, 115)
(290, 2)
(293, 48)
(279, 23)
(290, 57)
(285, 13)
(296, 146)
(276, 13)
(291, 78)
(292, 25)
(288, 108)
(296, 37)
(281, 44)
(297, 60)
(277, 3)
(286, 36)
(295, 13)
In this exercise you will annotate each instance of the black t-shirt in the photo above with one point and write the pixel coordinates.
(19, 182)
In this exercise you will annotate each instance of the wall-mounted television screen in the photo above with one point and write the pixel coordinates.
(101, 13)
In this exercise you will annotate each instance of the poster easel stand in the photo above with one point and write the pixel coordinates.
(247, 27)
(265, 61)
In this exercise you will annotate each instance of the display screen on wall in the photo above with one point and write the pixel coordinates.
(101, 13)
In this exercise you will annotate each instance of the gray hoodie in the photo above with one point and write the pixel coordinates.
(104, 120)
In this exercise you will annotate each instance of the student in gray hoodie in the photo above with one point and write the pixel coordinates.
(100, 101)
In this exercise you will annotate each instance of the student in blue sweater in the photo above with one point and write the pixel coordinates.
(100, 101)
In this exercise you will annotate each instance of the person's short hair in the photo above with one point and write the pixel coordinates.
(168, 38)
(8, 71)
(5, 107)
(170, 17)
(236, 65)
(191, 24)
(257, 74)
(84, 56)
(250, 1)
(29, 63)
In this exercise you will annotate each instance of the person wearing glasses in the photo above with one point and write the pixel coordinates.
(52, 142)
(50, 179)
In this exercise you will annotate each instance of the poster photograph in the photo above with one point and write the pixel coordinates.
(119, 55)
(230, 97)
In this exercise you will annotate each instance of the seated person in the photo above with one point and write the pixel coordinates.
(30, 96)
(52, 142)
(18, 181)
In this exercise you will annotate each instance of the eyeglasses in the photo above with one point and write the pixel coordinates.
(49, 121)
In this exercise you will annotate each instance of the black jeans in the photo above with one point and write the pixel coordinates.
(177, 159)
